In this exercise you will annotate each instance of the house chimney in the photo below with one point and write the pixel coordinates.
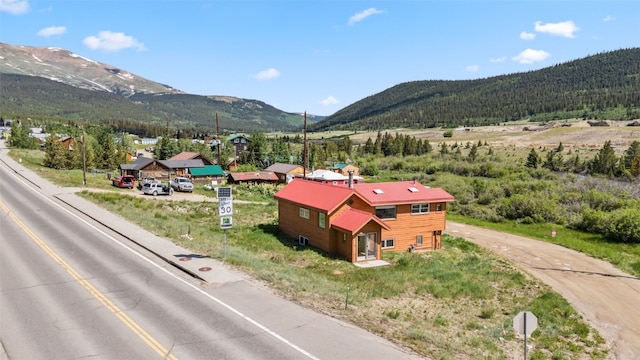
(350, 179)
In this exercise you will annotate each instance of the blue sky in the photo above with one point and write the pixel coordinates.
(321, 56)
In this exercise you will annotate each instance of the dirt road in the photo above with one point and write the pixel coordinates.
(605, 296)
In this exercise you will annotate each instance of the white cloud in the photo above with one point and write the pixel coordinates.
(565, 28)
(14, 6)
(473, 68)
(498, 60)
(268, 74)
(111, 42)
(363, 15)
(527, 35)
(52, 30)
(608, 18)
(330, 100)
(529, 56)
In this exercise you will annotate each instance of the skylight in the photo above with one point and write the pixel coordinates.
(378, 191)
(413, 190)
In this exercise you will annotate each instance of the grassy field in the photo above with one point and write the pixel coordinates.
(451, 304)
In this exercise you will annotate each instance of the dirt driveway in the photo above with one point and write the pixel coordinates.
(605, 296)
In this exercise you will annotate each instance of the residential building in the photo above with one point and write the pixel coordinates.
(343, 168)
(252, 177)
(285, 172)
(240, 143)
(361, 221)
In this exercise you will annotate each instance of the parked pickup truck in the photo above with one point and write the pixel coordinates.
(182, 184)
(145, 180)
(156, 189)
(124, 181)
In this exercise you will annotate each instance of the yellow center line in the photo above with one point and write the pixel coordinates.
(121, 315)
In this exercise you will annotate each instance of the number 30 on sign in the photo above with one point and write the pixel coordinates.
(225, 207)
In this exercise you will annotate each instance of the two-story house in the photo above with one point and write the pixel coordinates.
(360, 221)
(240, 143)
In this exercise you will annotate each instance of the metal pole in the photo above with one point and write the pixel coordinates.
(225, 243)
(525, 335)
(346, 300)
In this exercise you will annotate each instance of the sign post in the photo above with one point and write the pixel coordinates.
(225, 210)
(525, 323)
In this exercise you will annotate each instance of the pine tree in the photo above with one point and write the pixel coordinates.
(605, 160)
(473, 153)
(533, 159)
(54, 156)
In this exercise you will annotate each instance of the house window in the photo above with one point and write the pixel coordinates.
(304, 213)
(344, 237)
(386, 212)
(243, 140)
(236, 141)
(321, 219)
(439, 207)
(419, 240)
(388, 243)
(419, 208)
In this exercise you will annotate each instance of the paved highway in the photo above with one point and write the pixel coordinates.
(71, 287)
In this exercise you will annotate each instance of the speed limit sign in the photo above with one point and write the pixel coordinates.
(225, 206)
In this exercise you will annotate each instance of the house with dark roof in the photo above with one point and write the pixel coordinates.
(285, 172)
(189, 155)
(252, 177)
(361, 221)
(146, 167)
(240, 143)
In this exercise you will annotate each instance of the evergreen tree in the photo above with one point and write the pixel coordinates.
(630, 154)
(166, 148)
(20, 136)
(473, 153)
(54, 156)
(369, 148)
(257, 150)
(279, 151)
(345, 144)
(605, 160)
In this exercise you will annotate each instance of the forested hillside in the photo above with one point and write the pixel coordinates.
(144, 114)
(603, 86)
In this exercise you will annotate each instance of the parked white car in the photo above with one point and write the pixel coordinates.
(182, 184)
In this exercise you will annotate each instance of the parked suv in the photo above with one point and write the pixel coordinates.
(124, 181)
(157, 189)
(182, 184)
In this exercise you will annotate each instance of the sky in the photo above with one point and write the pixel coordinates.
(320, 56)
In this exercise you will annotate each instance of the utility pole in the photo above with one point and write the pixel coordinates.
(84, 158)
(218, 138)
(304, 148)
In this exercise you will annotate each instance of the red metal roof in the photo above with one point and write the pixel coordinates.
(314, 194)
(353, 220)
(402, 192)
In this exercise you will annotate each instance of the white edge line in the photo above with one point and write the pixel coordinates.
(225, 305)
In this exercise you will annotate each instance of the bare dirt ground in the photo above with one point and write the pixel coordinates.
(605, 296)
(579, 134)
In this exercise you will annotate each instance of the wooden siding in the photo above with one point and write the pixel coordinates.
(342, 242)
(291, 223)
(406, 227)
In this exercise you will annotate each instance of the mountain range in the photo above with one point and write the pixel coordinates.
(56, 84)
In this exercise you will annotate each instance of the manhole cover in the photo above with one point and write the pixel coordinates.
(206, 268)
